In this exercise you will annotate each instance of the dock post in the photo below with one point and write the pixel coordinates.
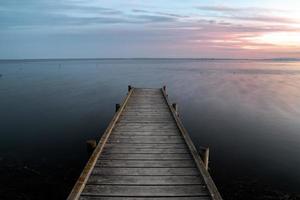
(164, 88)
(204, 154)
(117, 107)
(91, 145)
(206, 158)
(129, 88)
(175, 106)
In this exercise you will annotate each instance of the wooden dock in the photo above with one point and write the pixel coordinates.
(145, 153)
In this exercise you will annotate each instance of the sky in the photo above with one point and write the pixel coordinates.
(151, 29)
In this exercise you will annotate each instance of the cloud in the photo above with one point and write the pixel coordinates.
(152, 18)
(219, 8)
(110, 24)
(159, 13)
(254, 14)
(71, 13)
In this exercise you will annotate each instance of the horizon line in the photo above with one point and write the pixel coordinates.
(151, 58)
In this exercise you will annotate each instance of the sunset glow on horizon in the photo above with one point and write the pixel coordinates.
(169, 28)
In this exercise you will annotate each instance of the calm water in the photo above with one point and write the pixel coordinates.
(247, 112)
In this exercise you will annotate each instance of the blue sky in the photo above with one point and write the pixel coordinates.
(165, 28)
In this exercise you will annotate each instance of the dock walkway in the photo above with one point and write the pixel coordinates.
(145, 153)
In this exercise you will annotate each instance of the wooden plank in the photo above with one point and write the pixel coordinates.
(162, 109)
(145, 141)
(142, 119)
(143, 129)
(146, 100)
(149, 125)
(145, 171)
(142, 150)
(145, 180)
(147, 117)
(140, 102)
(146, 156)
(156, 125)
(144, 115)
(145, 191)
(146, 106)
(144, 198)
(147, 111)
(154, 146)
(146, 163)
(162, 122)
(145, 133)
(145, 137)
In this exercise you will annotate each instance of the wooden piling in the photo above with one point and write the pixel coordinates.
(129, 88)
(91, 145)
(204, 154)
(175, 106)
(117, 107)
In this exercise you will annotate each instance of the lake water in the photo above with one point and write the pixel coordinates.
(247, 112)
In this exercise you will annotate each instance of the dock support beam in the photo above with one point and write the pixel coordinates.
(204, 154)
(117, 107)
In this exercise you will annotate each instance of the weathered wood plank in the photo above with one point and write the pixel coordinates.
(145, 180)
(142, 150)
(145, 191)
(146, 156)
(136, 142)
(142, 140)
(145, 171)
(154, 146)
(146, 133)
(144, 115)
(143, 128)
(145, 137)
(145, 125)
(146, 163)
(144, 198)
